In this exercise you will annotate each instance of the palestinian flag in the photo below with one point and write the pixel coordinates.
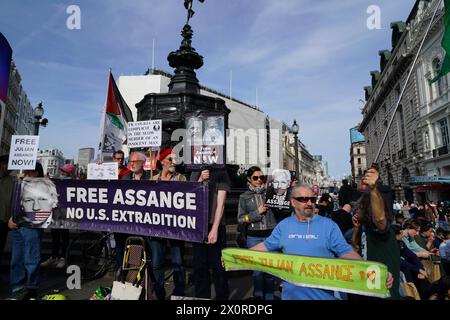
(117, 115)
(445, 43)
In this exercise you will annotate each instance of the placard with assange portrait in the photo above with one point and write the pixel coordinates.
(166, 209)
(279, 189)
(205, 140)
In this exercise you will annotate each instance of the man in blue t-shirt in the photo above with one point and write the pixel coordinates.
(308, 234)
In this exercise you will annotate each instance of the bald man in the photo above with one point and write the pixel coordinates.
(309, 234)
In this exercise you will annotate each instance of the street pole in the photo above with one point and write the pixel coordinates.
(296, 157)
(36, 126)
(295, 128)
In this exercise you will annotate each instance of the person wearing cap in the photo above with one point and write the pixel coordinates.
(168, 172)
(60, 237)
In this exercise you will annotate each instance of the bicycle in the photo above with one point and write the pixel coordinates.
(93, 252)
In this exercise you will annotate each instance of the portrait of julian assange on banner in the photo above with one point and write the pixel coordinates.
(205, 140)
(166, 209)
(278, 190)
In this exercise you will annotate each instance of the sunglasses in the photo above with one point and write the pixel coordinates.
(256, 178)
(118, 158)
(306, 199)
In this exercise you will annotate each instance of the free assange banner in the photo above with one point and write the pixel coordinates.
(166, 209)
(353, 276)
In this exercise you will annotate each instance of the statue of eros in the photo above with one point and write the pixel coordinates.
(188, 6)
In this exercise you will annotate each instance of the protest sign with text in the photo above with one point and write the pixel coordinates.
(353, 276)
(103, 171)
(166, 209)
(143, 134)
(23, 153)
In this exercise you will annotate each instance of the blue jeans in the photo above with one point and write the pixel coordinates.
(25, 259)
(158, 247)
(263, 283)
(443, 224)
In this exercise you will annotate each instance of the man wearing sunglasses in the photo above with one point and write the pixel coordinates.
(309, 234)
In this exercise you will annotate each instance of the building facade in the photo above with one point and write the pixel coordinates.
(434, 118)
(253, 137)
(358, 160)
(18, 112)
(85, 156)
(51, 160)
(402, 154)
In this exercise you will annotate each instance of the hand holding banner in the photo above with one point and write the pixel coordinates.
(353, 276)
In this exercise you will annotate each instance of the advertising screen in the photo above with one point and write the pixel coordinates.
(5, 64)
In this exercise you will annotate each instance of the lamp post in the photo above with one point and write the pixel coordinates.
(38, 113)
(295, 129)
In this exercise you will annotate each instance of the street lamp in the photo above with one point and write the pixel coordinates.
(38, 113)
(295, 129)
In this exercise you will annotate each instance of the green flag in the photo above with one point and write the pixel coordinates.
(445, 68)
(353, 276)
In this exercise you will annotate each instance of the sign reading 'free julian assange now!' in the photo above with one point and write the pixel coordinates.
(166, 209)
(352, 276)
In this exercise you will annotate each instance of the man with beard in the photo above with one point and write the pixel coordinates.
(309, 234)
(136, 166)
(158, 245)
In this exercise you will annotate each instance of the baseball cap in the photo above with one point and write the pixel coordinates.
(68, 168)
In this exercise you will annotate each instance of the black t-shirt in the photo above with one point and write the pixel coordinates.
(441, 214)
(218, 180)
(343, 219)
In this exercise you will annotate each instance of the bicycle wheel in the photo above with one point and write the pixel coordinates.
(91, 252)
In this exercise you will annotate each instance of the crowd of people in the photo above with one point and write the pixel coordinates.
(412, 240)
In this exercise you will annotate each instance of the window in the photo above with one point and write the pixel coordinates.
(426, 138)
(358, 151)
(402, 127)
(360, 172)
(444, 131)
(411, 108)
(359, 160)
(397, 93)
(441, 84)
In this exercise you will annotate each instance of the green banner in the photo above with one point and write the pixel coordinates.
(353, 276)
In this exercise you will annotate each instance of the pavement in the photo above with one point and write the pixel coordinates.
(55, 280)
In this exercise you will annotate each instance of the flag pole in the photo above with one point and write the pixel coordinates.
(406, 82)
(102, 123)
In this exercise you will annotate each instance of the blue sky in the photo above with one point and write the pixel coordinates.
(308, 59)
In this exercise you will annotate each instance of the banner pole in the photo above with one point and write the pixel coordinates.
(406, 83)
(151, 164)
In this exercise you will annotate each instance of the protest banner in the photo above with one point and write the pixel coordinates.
(205, 140)
(278, 190)
(352, 276)
(143, 134)
(166, 209)
(23, 153)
